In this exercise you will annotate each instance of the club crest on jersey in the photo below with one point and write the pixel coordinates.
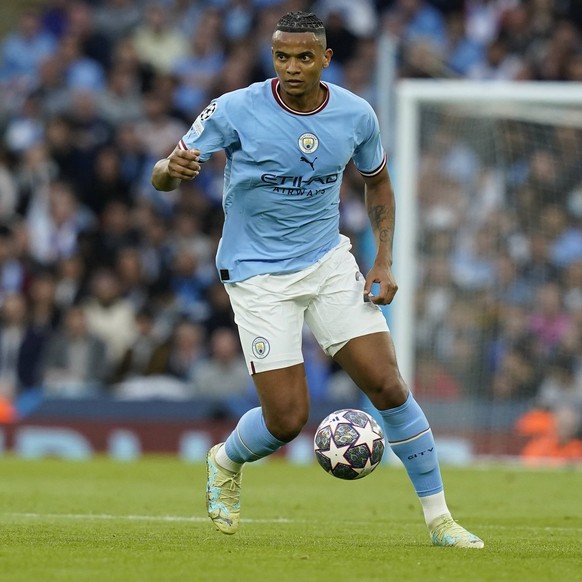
(308, 143)
(261, 347)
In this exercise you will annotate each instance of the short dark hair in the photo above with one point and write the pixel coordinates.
(302, 22)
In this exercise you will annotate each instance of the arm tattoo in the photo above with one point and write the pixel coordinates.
(382, 221)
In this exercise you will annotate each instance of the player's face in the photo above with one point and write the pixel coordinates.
(299, 58)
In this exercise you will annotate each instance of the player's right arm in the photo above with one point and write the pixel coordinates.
(180, 165)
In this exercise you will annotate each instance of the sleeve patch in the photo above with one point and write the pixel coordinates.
(207, 113)
(198, 126)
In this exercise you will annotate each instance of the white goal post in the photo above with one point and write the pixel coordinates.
(522, 97)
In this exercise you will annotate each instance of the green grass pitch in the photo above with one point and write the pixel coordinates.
(145, 521)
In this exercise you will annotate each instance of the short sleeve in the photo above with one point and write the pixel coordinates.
(369, 155)
(210, 132)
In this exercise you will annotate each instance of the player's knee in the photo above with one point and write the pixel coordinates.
(286, 427)
(389, 392)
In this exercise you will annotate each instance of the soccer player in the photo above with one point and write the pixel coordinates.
(283, 262)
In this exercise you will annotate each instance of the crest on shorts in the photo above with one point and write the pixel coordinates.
(308, 143)
(261, 347)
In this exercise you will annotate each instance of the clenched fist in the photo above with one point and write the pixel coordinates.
(184, 164)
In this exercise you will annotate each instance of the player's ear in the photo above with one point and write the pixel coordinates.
(327, 57)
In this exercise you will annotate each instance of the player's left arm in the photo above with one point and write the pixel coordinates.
(381, 209)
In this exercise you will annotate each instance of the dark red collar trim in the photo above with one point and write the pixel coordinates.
(275, 89)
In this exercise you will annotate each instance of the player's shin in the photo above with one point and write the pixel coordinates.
(251, 439)
(411, 439)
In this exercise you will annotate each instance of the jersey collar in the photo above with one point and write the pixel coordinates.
(275, 89)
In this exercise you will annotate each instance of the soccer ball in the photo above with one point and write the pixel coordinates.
(349, 444)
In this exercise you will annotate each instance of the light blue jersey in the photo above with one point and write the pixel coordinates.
(283, 174)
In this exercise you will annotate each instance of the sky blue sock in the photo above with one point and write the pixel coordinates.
(409, 434)
(251, 439)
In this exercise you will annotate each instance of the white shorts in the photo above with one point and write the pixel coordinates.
(328, 296)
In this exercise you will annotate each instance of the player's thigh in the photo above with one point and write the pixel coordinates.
(269, 323)
(339, 312)
(370, 360)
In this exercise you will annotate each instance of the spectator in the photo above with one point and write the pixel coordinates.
(511, 329)
(75, 361)
(538, 269)
(50, 87)
(549, 322)
(572, 280)
(224, 373)
(34, 175)
(116, 19)
(137, 359)
(416, 20)
(44, 312)
(81, 73)
(433, 381)
(196, 70)
(434, 300)
(55, 220)
(461, 52)
(23, 50)
(90, 131)
(509, 286)
(359, 18)
(132, 157)
(25, 129)
(108, 185)
(121, 100)
(82, 24)
(62, 156)
(181, 355)
(238, 20)
(11, 271)
(189, 280)
(21, 348)
(129, 271)
(339, 37)
(155, 250)
(563, 443)
(109, 316)
(157, 41)
(518, 375)
(473, 266)
(114, 233)
(70, 286)
(220, 314)
(499, 64)
(566, 246)
(54, 17)
(187, 234)
(158, 131)
(561, 386)
(8, 189)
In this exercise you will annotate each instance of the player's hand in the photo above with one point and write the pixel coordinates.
(184, 164)
(381, 274)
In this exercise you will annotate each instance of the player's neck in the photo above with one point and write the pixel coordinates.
(304, 103)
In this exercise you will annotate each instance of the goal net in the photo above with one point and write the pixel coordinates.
(488, 318)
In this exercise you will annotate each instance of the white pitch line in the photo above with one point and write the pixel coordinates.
(108, 516)
(197, 519)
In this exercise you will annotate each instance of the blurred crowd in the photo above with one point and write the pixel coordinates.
(499, 307)
(107, 285)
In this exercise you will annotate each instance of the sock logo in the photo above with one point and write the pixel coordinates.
(421, 454)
